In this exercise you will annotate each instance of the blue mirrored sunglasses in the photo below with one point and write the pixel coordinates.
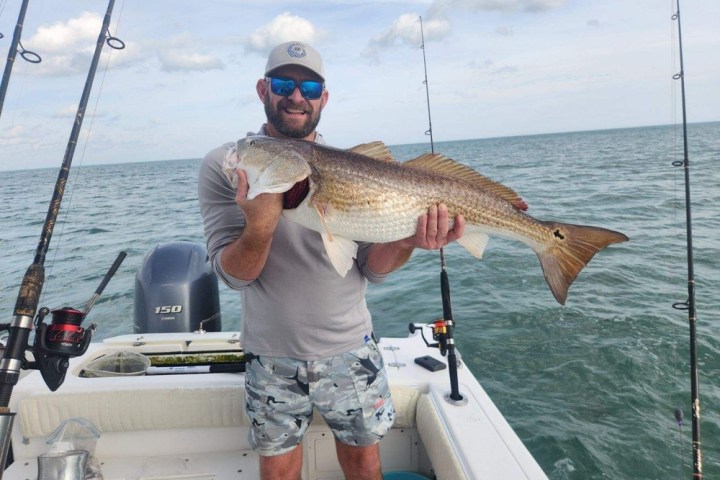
(309, 89)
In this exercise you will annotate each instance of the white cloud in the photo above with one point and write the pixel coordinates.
(283, 28)
(440, 7)
(405, 30)
(68, 35)
(15, 135)
(178, 60)
(67, 111)
(66, 47)
(180, 53)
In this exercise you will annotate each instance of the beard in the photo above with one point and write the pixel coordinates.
(285, 128)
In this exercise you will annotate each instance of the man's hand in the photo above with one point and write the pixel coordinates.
(262, 213)
(433, 229)
(433, 232)
(245, 257)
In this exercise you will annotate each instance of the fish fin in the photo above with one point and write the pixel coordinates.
(441, 164)
(572, 248)
(341, 252)
(475, 243)
(322, 211)
(230, 163)
(376, 150)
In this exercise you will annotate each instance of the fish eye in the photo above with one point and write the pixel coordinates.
(252, 142)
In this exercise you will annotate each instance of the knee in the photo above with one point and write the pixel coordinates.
(360, 463)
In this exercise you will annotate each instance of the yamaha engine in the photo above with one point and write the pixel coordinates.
(176, 291)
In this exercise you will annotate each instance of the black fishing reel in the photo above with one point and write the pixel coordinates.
(439, 334)
(55, 343)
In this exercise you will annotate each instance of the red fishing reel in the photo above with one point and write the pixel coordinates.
(64, 335)
(56, 342)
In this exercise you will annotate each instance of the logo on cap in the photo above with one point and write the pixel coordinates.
(296, 50)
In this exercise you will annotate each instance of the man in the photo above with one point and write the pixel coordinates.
(308, 329)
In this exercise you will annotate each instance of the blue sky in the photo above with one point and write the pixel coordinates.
(186, 81)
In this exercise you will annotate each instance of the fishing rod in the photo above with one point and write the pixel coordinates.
(689, 305)
(54, 359)
(427, 88)
(442, 329)
(29, 56)
(454, 396)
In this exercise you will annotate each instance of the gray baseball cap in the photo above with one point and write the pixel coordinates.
(295, 53)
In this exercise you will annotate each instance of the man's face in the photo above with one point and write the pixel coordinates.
(293, 116)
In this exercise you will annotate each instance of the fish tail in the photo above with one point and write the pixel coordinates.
(571, 249)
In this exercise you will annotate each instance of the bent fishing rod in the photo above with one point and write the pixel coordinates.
(29, 56)
(689, 305)
(50, 357)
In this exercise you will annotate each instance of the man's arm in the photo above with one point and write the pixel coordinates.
(433, 233)
(245, 257)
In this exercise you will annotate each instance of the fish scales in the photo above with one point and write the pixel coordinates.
(365, 188)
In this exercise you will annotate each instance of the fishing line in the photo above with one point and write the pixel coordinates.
(66, 214)
(3, 4)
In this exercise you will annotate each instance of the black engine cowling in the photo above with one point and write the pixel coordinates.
(176, 290)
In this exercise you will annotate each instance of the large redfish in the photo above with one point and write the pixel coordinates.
(362, 194)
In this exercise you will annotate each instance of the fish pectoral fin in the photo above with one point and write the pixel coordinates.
(230, 163)
(475, 243)
(341, 251)
(322, 210)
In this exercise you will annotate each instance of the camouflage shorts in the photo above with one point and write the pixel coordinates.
(350, 391)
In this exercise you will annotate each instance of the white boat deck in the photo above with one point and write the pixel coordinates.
(193, 426)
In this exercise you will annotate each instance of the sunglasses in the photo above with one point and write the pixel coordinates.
(309, 89)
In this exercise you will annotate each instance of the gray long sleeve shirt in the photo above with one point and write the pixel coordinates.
(299, 306)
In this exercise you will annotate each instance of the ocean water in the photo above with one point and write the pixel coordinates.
(590, 387)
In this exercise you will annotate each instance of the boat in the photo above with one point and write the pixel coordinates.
(181, 414)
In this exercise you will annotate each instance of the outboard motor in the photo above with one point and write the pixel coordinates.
(176, 290)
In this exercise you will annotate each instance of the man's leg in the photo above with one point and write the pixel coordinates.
(279, 411)
(286, 466)
(359, 463)
(356, 404)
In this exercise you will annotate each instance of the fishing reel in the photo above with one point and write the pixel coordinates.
(55, 343)
(64, 337)
(439, 334)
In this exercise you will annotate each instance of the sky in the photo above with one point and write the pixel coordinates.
(185, 83)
